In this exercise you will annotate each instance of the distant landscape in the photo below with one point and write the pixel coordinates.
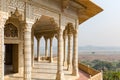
(98, 49)
(106, 59)
(93, 52)
(100, 53)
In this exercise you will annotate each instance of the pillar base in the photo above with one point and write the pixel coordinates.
(38, 59)
(60, 76)
(69, 67)
(64, 63)
(51, 60)
(75, 73)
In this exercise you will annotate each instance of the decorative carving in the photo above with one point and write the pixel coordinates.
(69, 29)
(16, 14)
(16, 3)
(10, 31)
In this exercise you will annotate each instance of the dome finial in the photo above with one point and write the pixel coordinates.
(16, 12)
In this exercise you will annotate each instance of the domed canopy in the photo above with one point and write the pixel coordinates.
(45, 26)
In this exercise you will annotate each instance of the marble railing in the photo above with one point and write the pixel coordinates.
(94, 74)
(98, 76)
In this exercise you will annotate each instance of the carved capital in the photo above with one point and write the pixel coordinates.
(69, 29)
(51, 36)
(46, 37)
(75, 31)
(60, 32)
(38, 36)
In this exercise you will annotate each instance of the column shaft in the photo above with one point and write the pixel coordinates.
(27, 54)
(51, 51)
(38, 49)
(32, 49)
(60, 74)
(75, 55)
(46, 47)
(1, 53)
(64, 61)
(69, 61)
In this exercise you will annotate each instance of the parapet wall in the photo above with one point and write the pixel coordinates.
(94, 74)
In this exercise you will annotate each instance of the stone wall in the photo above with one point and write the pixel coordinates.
(87, 69)
(97, 77)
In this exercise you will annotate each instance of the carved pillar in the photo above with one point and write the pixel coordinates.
(51, 51)
(32, 48)
(27, 53)
(46, 47)
(75, 51)
(64, 60)
(75, 54)
(1, 52)
(60, 74)
(2, 23)
(38, 49)
(69, 61)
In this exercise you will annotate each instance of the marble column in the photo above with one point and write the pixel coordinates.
(27, 53)
(75, 54)
(1, 52)
(46, 47)
(32, 48)
(69, 59)
(60, 74)
(51, 51)
(38, 49)
(64, 60)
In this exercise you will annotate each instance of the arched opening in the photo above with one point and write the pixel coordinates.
(44, 30)
(13, 44)
(11, 49)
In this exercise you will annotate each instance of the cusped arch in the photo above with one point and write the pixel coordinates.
(45, 26)
(12, 24)
(10, 31)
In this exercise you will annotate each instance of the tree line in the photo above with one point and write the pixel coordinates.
(111, 70)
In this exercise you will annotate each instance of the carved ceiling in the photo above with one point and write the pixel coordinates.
(45, 26)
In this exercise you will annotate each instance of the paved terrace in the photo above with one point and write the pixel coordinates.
(47, 71)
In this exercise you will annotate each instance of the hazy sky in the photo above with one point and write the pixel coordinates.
(104, 28)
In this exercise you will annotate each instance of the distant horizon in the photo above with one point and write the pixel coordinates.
(87, 50)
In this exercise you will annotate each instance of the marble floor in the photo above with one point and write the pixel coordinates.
(43, 71)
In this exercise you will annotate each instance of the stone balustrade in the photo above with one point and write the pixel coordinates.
(94, 74)
(98, 76)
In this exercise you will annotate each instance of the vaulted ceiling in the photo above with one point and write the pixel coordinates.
(45, 25)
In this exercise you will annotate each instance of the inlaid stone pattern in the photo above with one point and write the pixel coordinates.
(16, 3)
(37, 12)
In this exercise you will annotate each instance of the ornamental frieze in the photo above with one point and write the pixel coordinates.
(16, 3)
